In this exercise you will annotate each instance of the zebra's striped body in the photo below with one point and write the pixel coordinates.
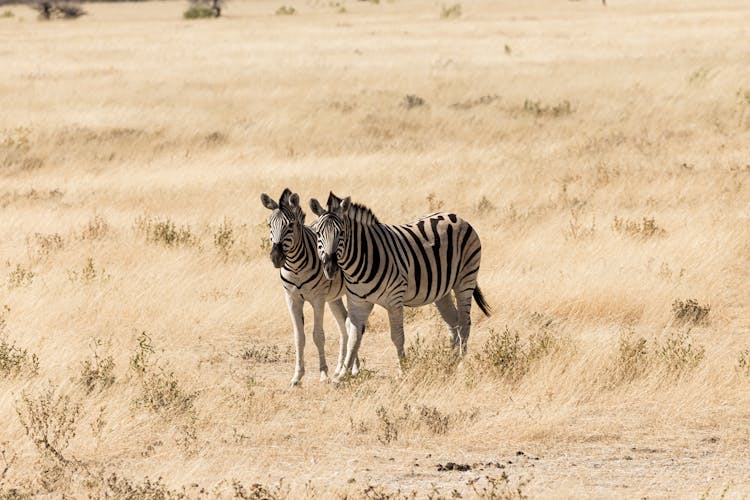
(293, 251)
(395, 266)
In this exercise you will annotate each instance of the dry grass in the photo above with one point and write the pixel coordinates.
(144, 331)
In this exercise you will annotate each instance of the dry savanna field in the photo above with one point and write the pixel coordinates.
(602, 154)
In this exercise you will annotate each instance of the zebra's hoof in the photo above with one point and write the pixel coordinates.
(323, 376)
(295, 382)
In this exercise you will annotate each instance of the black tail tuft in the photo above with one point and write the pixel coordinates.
(486, 309)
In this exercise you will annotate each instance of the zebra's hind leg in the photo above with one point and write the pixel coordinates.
(396, 319)
(319, 337)
(463, 298)
(339, 313)
(447, 310)
(295, 303)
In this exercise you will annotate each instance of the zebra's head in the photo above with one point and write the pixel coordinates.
(285, 222)
(330, 230)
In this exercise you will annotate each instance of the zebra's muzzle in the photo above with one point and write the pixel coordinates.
(277, 255)
(330, 266)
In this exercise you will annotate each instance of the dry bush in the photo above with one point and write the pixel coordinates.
(429, 362)
(536, 108)
(268, 354)
(20, 277)
(506, 356)
(450, 11)
(632, 360)
(88, 274)
(164, 231)
(49, 9)
(679, 354)
(40, 246)
(390, 423)
(286, 11)
(96, 228)
(690, 311)
(645, 229)
(15, 361)
(499, 488)
(743, 362)
(50, 421)
(97, 372)
(413, 101)
(224, 238)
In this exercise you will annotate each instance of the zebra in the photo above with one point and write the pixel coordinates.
(293, 252)
(395, 266)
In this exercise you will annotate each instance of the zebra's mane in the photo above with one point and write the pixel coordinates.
(362, 214)
(296, 212)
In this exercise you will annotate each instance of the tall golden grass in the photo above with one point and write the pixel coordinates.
(603, 155)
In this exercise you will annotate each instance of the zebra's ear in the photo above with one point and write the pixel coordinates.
(333, 202)
(345, 204)
(316, 207)
(294, 200)
(268, 202)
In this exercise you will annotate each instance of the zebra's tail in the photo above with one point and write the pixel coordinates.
(479, 298)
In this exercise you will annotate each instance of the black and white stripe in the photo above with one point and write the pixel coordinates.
(395, 266)
(293, 251)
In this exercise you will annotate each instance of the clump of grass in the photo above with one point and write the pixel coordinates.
(40, 246)
(485, 206)
(119, 487)
(390, 423)
(435, 203)
(15, 361)
(96, 228)
(224, 238)
(20, 277)
(164, 231)
(199, 11)
(577, 229)
(160, 390)
(499, 487)
(286, 11)
(679, 354)
(97, 373)
(450, 11)
(413, 101)
(506, 356)
(428, 361)
(267, 354)
(632, 359)
(690, 311)
(479, 101)
(88, 273)
(536, 108)
(645, 229)
(7, 14)
(743, 362)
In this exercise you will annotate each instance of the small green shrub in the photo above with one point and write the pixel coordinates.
(690, 311)
(506, 356)
(199, 11)
(450, 11)
(286, 11)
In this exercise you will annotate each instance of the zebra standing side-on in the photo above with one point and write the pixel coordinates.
(395, 266)
(293, 250)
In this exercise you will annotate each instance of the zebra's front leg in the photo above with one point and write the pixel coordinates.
(339, 313)
(355, 323)
(319, 337)
(295, 304)
(396, 319)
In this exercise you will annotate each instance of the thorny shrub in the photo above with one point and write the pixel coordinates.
(429, 361)
(679, 354)
(164, 231)
(505, 355)
(632, 359)
(97, 372)
(647, 228)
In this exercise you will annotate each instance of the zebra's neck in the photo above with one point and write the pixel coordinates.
(356, 236)
(301, 256)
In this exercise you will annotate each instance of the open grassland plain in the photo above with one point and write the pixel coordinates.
(602, 153)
